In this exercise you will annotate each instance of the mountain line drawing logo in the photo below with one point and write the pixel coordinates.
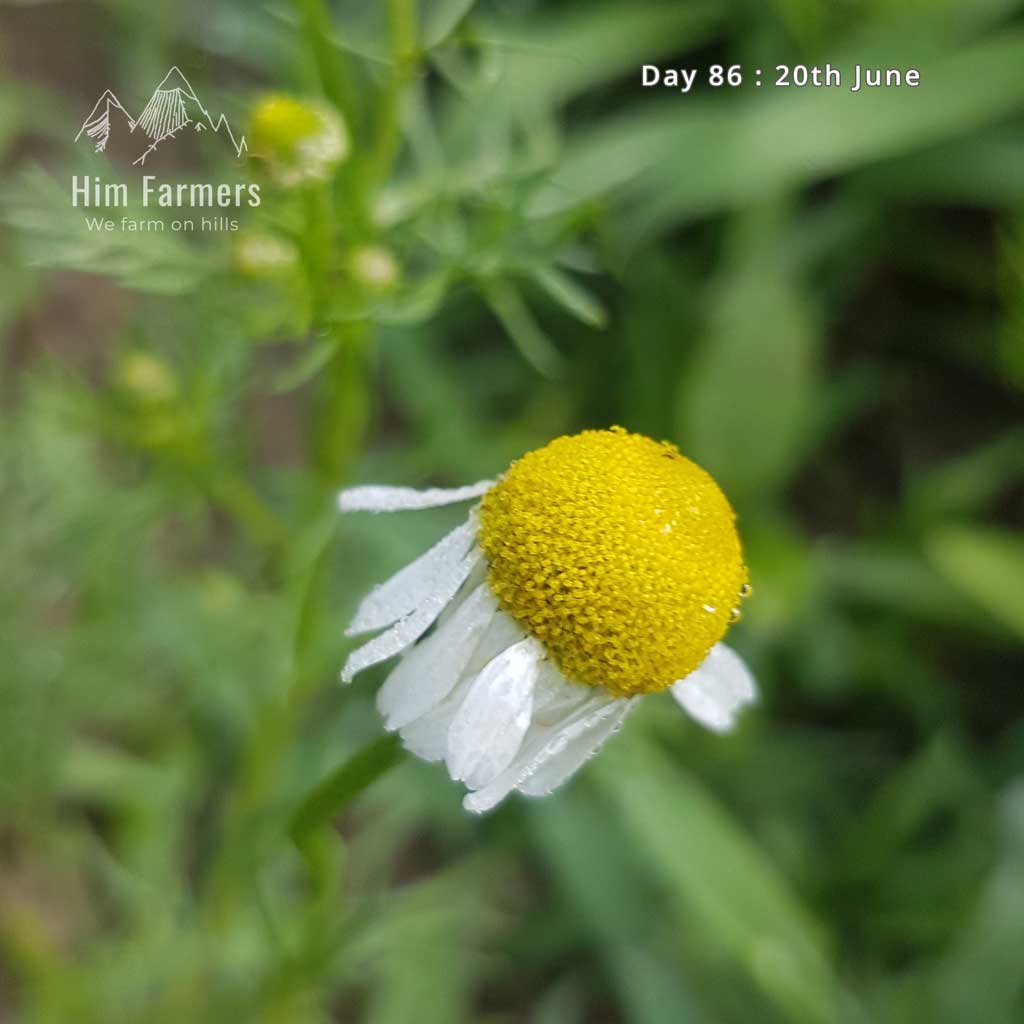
(173, 107)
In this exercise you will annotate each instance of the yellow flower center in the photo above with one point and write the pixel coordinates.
(617, 553)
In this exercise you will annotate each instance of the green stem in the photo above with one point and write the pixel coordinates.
(330, 60)
(234, 495)
(347, 781)
(405, 58)
(316, 247)
(311, 831)
(343, 407)
(332, 70)
(252, 826)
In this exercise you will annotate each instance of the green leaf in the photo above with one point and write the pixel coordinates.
(724, 892)
(574, 299)
(440, 18)
(559, 55)
(936, 778)
(313, 358)
(609, 897)
(508, 306)
(416, 302)
(981, 978)
(53, 234)
(746, 409)
(969, 484)
(985, 564)
(688, 157)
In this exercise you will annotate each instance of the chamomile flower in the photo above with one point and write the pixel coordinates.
(597, 569)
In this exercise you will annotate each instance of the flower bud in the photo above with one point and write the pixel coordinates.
(146, 379)
(374, 267)
(301, 142)
(264, 255)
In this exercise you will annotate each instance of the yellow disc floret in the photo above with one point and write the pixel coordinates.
(617, 553)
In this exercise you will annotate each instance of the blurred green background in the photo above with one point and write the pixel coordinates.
(818, 295)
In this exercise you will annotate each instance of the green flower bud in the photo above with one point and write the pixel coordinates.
(146, 379)
(374, 267)
(263, 255)
(300, 142)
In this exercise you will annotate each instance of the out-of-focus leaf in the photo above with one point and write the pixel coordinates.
(573, 298)
(317, 354)
(987, 565)
(781, 572)
(980, 171)
(688, 157)
(981, 979)
(887, 576)
(660, 321)
(595, 872)
(746, 407)
(563, 1003)
(20, 287)
(968, 484)
(890, 19)
(440, 18)
(935, 779)
(561, 54)
(421, 980)
(54, 234)
(26, 108)
(416, 945)
(721, 888)
(363, 29)
(416, 303)
(804, 18)
(508, 306)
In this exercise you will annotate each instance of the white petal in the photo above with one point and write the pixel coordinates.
(472, 581)
(373, 498)
(488, 728)
(429, 671)
(559, 766)
(414, 584)
(717, 690)
(413, 626)
(544, 742)
(501, 634)
(427, 737)
(556, 698)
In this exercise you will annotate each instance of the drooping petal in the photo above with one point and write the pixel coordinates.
(544, 742)
(408, 630)
(412, 585)
(375, 498)
(429, 671)
(556, 698)
(560, 765)
(427, 736)
(717, 690)
(489, 726)
(502, 632)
